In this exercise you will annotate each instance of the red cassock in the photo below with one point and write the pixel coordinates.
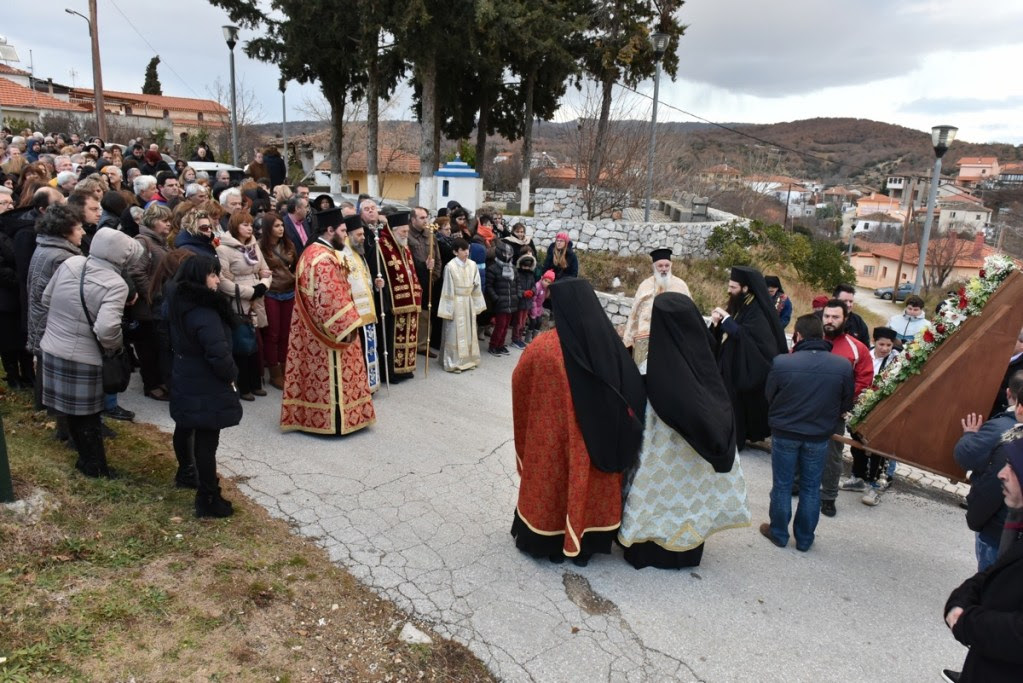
(326, 390)
(561, 494)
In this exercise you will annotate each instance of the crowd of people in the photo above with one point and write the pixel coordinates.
(219, 288)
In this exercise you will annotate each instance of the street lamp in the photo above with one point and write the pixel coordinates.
(231, 36)
(97, 71)
(283, 85)
(660, 45)
(941, 138)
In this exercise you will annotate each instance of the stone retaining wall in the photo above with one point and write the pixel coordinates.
(617, 308)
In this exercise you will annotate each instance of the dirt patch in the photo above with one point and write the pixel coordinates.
(121, 582)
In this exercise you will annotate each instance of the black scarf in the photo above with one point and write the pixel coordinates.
(752, 278)
(607, 389)
(683, 382)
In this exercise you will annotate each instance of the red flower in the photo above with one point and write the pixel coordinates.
(940, 328)
(928, 337)
(962, 292)
(963, 303)
(908, 355)
(983, 273)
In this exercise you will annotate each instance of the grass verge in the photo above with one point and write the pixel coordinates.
(117, 580)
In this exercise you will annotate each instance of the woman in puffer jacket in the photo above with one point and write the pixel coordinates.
(203, 399)
(244, 279)
(76, 339)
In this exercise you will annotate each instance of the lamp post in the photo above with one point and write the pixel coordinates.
(231, 36)
(941, 138)
(283, 85)
(97, 71)
(660, 44)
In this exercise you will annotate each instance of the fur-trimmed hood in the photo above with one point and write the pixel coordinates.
(526, 262)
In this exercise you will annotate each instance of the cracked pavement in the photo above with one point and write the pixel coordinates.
(419, 508)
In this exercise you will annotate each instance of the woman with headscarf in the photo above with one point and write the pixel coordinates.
(322, 203)
(578, 403)
(687, 483)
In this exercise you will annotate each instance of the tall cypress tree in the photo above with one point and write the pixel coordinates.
(152, 85)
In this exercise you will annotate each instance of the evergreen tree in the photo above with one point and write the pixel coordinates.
(152, 85)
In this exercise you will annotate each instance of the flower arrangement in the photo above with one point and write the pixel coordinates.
(969, 301)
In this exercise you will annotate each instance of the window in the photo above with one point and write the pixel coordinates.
(199, 116)
(355, 187)
(884, 271)
(166, 113)
(868, 270)
(445, 189)
(978, 216)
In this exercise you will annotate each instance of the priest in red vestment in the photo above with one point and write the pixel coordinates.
(326, 389)
(578, 403)
(391, 259)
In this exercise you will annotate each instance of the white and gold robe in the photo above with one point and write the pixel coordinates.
(362, 294)
(461, 300)
(637, 327)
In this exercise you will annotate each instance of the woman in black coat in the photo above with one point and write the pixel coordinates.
(203, 397)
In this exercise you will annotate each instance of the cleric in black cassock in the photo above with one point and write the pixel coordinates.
(748, 335)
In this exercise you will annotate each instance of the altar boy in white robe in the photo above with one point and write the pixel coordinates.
(461, 300)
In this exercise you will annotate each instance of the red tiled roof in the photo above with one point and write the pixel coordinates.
(969, 255)
(157, 101)
(14, 95)
(5, 69)
(195, 123)
(388, 161)
(1013, 167)
(722, 168)
(978, 161)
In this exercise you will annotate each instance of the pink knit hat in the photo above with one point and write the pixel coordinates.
(549, 275)
(562, 236)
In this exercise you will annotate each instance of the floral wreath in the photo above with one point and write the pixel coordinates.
(969, 301)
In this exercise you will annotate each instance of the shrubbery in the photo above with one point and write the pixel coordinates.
(819, 263)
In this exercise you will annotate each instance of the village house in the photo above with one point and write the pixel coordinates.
(877, 221)
(976, 170)
(178, 115)
(957, 259)
(879, 203)
(721, 173)
(398, 173)
(1011, 174)
(19, 100)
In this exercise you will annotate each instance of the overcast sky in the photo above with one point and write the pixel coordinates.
(917, 63)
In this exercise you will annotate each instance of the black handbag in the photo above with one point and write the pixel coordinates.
(243, 336)
(117, 365)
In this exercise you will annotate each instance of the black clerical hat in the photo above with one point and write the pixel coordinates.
(660, 255)
(773, 281)
(353, 222)
(330, 218)
(398, 219)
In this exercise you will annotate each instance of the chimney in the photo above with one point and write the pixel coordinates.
(978, 245)
(49, 85)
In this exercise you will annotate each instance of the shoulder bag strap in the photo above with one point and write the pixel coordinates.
(88, 316)
(238, 301)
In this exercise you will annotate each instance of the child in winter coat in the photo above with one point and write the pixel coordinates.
(540, 292)
(526, 273)
(504, 294)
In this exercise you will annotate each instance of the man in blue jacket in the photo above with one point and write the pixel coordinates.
(808, 391)
(981, 453)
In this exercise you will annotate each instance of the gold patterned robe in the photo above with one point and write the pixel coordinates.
(637, 328)
(405, 297)
(461, 300)
(325, 386)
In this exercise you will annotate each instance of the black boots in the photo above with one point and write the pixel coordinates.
(85, 432)
(186, 478)
(212, 505)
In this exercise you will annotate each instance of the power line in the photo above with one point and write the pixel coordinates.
(155, 51)
(729, 129)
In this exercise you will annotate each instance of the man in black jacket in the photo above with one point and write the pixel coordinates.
(985, 613)
(807, 390)
(981, 453)
(1015, 365)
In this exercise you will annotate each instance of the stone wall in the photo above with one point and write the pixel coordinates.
(549, 202)
(616, 307)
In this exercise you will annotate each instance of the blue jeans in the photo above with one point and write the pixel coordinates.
(987, 553)
(109, 401)
(808, 458)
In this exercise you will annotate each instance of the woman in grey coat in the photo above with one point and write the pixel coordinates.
(72, 349)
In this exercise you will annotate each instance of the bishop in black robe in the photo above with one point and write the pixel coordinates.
(748, 335)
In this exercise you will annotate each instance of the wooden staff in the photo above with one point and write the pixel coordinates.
(432, 228)
(383, 312)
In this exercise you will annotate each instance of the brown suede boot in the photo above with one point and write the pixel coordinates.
(277, 376)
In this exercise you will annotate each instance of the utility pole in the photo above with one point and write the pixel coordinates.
(905, 228)
(97, 73)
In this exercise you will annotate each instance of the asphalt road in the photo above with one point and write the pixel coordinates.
(420, 505)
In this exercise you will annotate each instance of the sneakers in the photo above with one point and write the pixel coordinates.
(872, 497)
(950, 676)
(520, 345)
(828, 508)
(853, 484)
(503, 350)
(119, 413)
(495, 352)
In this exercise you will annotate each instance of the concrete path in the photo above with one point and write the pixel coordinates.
(419, 507)
(865, 299)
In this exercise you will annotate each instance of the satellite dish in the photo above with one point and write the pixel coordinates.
(7, 52)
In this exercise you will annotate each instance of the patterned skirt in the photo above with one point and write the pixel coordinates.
(70, 387)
